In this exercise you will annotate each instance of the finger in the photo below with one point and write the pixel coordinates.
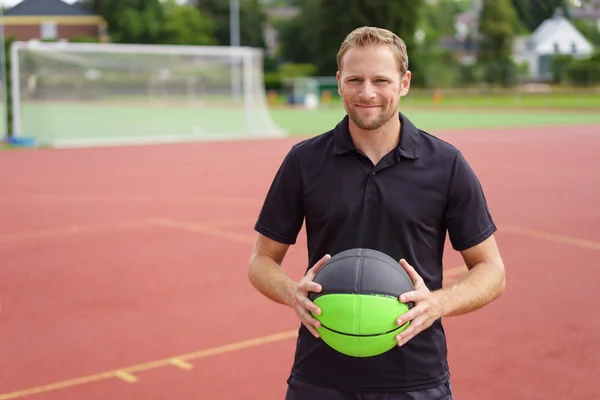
(313, 271)
(306, 303)
(311, 329)
(414, 296)
(416, 326)
(306, 316)
(309, 286)
(309, 322)
(309, 319)
(409, 316)
(412, 273)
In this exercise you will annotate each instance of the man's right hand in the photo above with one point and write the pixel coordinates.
(302, 304)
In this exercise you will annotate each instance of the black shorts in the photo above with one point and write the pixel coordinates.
(299, 390)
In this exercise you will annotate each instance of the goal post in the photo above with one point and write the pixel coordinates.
(85, 94)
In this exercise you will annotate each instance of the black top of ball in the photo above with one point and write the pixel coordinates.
(362, 271)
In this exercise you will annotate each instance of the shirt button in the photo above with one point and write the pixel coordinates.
(373, 173)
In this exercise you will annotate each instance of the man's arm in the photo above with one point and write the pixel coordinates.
(484, 282)
(267, 276)
(265, 272)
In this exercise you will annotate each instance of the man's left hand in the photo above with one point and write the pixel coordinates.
(427, 308)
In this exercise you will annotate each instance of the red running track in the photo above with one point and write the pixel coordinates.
(123, 272)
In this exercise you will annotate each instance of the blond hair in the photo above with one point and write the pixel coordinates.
(371, 36)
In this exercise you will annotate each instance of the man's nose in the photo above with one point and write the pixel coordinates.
(367, 91)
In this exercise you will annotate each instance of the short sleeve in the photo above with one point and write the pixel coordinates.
(282, 213)
(467, 216)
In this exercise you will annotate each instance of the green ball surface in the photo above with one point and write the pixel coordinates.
(360, 325)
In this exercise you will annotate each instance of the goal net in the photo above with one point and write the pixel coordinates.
(84, 94)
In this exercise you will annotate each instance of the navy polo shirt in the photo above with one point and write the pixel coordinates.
(404, 206)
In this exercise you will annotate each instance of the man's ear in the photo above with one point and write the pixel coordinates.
(405, 84)
(338, 76)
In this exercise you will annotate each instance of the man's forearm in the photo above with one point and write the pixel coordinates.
(270, 280)
(480, 286)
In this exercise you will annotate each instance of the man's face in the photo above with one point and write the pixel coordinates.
(371, 86)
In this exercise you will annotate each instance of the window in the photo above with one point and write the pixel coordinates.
(529, 46)
(574, 48)
(48, 30)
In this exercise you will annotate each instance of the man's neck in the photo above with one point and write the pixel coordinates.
(376, 144)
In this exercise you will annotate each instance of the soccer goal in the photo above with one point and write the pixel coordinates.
(85, 94)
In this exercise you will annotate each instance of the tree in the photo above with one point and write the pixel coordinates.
(298, 38)
(340, 17)
(185, 24)
(252, 21)
(252, 24)
(533, 12)
(154, 22)
(131, 21)
(497, 32)
(438, 18)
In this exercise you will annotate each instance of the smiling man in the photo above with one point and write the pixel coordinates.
(376, 181)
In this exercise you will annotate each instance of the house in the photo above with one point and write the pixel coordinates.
(467, 23)
(52, 20)
(464, 44)
(554, 36)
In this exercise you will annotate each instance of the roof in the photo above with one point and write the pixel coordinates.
(48, 7)
(554, 31)
(546, 27)
(557, 23)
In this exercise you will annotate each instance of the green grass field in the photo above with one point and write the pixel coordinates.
(463, 111)
(588, 99)
(304, 122)
(568, 100)
(52, 122)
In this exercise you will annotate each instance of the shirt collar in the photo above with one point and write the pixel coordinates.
(407, 148)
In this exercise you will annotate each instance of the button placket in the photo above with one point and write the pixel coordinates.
(370, 188)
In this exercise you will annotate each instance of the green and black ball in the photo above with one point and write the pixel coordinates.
(360, 303)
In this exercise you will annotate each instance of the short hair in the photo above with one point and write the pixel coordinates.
(368, 36)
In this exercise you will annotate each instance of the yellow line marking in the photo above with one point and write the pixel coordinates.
(58, 385)
(75, 229)
(455, 271)
(563, 173)
(127, 373)
(181, 364)
(127, 377)
(451, 275)
(277, 337)
(552, 237)
(137, 198)
(192, 227)
(231, 223)
(209, 229)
